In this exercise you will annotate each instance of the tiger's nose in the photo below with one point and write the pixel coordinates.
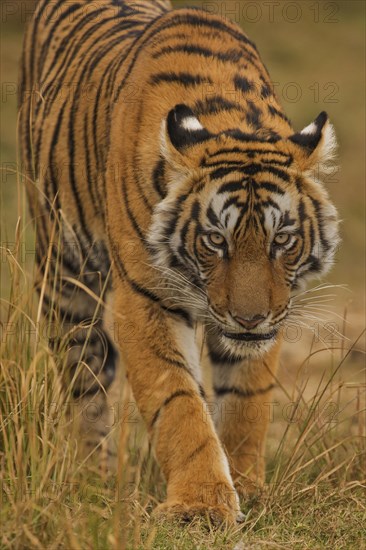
(250, 322)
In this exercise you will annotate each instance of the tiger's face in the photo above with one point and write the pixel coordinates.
(245, 222)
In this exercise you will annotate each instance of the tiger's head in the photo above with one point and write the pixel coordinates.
(245, 221)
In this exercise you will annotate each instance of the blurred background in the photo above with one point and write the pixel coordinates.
(314, 52)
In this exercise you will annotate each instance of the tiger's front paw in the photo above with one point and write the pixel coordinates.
(217, 515)
(217, 501)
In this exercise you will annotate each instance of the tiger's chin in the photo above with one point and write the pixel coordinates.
(248, 344)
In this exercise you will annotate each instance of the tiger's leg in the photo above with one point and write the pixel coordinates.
(90, 368)
(162, 367)
(84, 351)
(243, 390)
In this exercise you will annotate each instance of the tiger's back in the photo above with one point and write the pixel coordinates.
(160, 167)
(73, 61)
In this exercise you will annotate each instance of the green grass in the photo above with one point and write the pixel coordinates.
(315, 495)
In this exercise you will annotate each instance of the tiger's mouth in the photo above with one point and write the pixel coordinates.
(251, 336)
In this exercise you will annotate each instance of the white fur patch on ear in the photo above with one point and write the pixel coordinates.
(191, 124)
(310, 129)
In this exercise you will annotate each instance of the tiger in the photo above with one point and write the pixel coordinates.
(169, 187)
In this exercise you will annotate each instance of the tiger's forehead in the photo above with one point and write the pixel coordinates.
(237, 203)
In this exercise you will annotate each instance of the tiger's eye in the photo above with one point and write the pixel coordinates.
(216, 239)
(281, 239)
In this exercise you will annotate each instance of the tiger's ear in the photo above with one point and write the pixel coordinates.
(180, 132)
(316, 143)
